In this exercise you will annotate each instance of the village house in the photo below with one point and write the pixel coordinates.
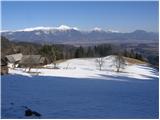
(44, 61)
(14, 59)
(33, 61)
(28, 61)
(4, 67)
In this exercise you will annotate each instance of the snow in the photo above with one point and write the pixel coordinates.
(113, 31)
(18, 72)
(38, 33)
(60, 97)
(65, 27)
(45, 29)
(97, 29)
(88, 68)
(36, 28)
(60, 28)
(79, 90)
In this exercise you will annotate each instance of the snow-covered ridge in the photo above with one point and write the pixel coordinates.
(36, 28)
(97, 29)
(113, 31)
(60, 28)
(43, 28)
(64, 27)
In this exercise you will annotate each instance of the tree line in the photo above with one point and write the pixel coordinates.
(59, 51)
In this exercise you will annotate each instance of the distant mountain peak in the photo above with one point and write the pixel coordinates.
(97, 29)
(140, 31)
(65, 27)
(113, 31)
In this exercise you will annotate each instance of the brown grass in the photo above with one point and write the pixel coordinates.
(134, 61)
(60, 61)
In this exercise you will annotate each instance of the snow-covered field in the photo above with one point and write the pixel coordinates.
(79, 90)
(88, 68)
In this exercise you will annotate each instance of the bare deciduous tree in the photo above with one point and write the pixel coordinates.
(30, 63)
(100, 62)
(119, 62)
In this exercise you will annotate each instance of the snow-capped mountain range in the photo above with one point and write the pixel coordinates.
(60, 28)
(65, 34)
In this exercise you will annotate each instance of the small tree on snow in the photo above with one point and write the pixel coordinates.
(100, 62)
(54, 57)
(119, 62)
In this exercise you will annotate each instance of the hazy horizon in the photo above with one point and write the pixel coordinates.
(119, 16)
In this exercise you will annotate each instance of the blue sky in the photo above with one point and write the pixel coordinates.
(121, 16)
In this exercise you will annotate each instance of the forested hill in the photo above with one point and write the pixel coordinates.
(144, 52)
(10, 47)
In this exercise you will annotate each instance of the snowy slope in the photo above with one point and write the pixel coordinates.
(88, 68)
(82, 91)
